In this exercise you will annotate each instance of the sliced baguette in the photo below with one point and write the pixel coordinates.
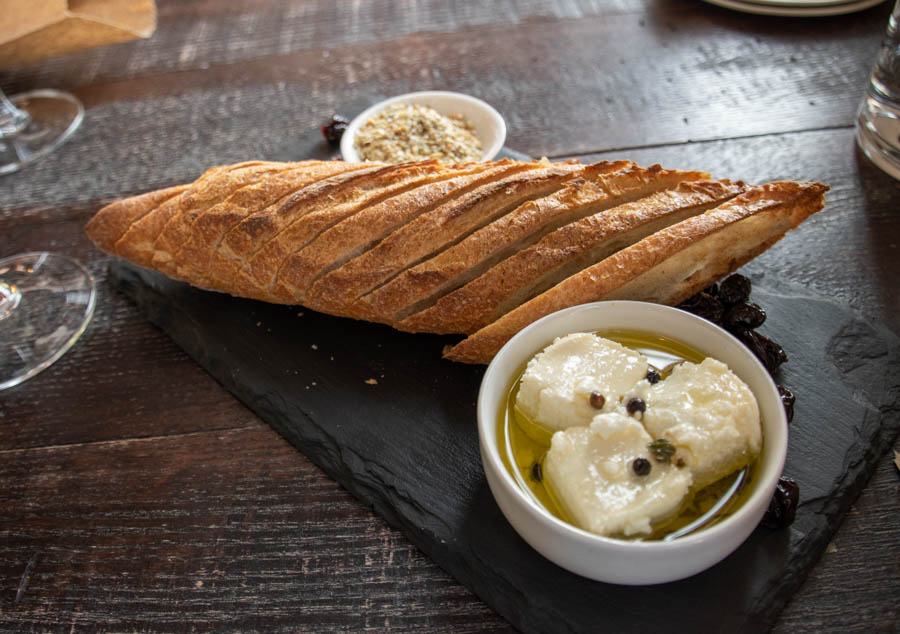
(256, 230)
(261, 268)
(136, 244)
(338, 291)
(185, 243)
(562, 253)
(358, 233)
(599, 187)
(667, 266)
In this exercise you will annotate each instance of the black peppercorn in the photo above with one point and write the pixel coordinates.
(783, 507)
(635, 405)
(734, 289)
(334, 129)
(597, 400)
(537, 473)
(641, 466)
(653, 376)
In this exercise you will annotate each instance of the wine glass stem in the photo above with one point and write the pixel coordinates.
(12, 119)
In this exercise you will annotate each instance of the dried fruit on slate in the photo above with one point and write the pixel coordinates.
(770, 353)
(704, 305)
(746, 315)
(783, 507)
(734, 289)
(787, 399)
(334, 129)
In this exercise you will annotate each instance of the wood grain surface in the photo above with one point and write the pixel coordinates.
(138, 496)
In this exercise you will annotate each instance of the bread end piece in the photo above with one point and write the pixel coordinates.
(110, 223)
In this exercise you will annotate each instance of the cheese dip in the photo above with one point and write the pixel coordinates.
(632, 441)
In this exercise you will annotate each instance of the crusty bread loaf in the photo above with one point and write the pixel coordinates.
(481, 248)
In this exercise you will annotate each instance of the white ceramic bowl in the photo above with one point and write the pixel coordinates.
(614, 560)
(490, 128)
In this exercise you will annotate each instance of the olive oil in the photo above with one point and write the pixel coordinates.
(523, 445)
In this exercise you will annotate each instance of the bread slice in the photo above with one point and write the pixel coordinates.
(600, 186)
(358, 233)
(668, 266)
(136, 244)
(110, 223)
(429, 234)
(260, 268)
(187, 240)
(562, 253)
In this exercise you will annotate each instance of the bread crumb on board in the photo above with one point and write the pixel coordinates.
(371, 382)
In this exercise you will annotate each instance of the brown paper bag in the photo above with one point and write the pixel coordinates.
(34, 29)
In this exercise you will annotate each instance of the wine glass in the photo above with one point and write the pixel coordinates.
(46, 299)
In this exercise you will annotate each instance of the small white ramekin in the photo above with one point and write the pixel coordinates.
(615, 560)
(490, 128)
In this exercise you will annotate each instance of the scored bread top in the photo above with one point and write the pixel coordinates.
(136, 244)
(599, 186)
(667, 266)
(430, 233)
(562, 253)
(483, 249)
(264, 264)
(187, 244)
(359, 232)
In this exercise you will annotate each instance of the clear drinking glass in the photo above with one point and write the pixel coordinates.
(878, 123)
(46, 299)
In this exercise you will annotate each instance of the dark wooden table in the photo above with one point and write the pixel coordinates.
(136, 494)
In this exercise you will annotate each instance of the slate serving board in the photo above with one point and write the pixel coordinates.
(385, 416)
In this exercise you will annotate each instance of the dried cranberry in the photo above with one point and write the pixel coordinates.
(787, 399)
(744, 315)
(734, 289)
(770, 353)
(704, 305)
(334, 129)
(783, 507)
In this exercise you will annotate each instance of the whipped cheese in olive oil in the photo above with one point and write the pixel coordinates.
(631, 435)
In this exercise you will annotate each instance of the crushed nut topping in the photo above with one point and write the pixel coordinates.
(412, 132)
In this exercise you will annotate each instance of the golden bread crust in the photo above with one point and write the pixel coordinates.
(667, 266)
(482, 249)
